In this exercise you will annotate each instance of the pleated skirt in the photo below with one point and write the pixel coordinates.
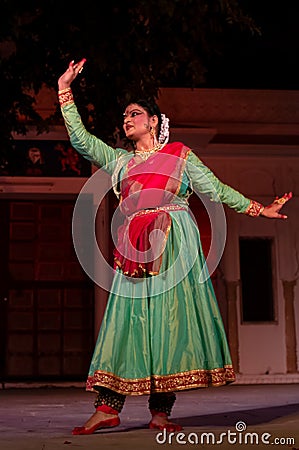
(165, 332)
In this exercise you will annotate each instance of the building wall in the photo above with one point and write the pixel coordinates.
(250, 139)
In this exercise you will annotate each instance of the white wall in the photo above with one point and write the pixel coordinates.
(262, 347)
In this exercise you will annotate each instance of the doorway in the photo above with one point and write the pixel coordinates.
(46, 299)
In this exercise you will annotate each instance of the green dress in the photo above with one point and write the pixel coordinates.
(161, 333)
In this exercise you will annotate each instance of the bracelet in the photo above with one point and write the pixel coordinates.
(65, 97)
(254, 209)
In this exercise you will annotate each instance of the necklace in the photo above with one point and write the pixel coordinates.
(145, 154)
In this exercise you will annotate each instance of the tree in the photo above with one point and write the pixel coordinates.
(132, 49)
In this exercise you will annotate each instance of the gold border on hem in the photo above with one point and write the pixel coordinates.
(162, 383)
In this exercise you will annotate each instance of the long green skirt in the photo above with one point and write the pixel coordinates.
(163, 333)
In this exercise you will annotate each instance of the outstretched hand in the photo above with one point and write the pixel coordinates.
(273, 211)
(70, 74)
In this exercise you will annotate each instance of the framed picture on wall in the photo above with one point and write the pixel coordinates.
(46, 158)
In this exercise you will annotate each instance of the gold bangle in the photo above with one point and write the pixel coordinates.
(254, 209)
(62, 91)
(65, 97)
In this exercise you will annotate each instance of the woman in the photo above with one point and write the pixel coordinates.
(162, 331)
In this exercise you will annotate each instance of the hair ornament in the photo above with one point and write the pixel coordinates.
(164, 130)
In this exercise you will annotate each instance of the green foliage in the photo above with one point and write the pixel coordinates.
(132, 49)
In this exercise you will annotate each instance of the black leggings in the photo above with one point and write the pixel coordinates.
(160, 402)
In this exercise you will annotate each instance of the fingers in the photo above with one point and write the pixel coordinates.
(273, 210)
(278, 215)
(70, 74)
(288, 196)
(77, 67)
(282, 216)
(282, 200)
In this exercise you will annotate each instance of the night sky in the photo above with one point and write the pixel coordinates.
(268, 61)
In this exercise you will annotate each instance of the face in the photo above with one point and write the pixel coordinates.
(137, 121)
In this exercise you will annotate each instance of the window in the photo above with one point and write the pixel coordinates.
(256, 270)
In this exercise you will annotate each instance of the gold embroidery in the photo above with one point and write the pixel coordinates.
(187, 151)
(254, 209)
(65, 97)
(170, 207)
(162, 383)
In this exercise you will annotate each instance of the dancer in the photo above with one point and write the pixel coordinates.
(162, 331)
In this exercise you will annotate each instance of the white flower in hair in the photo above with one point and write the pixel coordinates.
(164, 131)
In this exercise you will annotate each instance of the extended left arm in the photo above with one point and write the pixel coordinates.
(203, 180)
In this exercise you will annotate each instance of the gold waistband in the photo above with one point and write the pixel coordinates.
(167, 208)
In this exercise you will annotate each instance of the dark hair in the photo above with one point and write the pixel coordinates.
(151, 108)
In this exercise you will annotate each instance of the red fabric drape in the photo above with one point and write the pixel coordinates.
(147, 185)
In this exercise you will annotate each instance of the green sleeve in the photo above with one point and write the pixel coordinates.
(204, 181)
(88, 145)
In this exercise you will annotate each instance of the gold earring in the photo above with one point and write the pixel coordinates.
(152, 132)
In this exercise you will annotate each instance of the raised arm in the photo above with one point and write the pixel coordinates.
(88, 145)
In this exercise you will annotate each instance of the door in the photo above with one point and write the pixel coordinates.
(47, 300)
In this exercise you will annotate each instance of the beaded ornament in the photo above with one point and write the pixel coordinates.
(164, 130)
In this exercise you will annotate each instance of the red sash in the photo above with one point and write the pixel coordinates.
(147, 191)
